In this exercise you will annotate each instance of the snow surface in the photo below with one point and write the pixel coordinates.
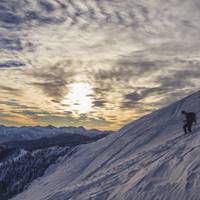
(148, 159)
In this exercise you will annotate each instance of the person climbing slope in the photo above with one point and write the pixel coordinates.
(190, 118)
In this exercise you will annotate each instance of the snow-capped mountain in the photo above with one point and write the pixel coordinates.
(37, 132)
(150, 158)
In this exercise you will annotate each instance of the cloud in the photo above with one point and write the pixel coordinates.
(131, 100)
(54, 89)
(133, 96)
(52, 80)
(99, 103)
(180, 79)
(26, 12)
(47, 6)
(12, 44)
(11, 64)
(82, 120)
(135, 55)
(16, 106)
(10, 90)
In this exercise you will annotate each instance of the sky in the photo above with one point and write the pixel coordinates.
(95, 63)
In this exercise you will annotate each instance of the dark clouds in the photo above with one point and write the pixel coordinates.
(12, 44)
(81, 14)
(26, 12)
(52, 80)
(131, 100)
(99, 103)
(11, 64)
(54, 89)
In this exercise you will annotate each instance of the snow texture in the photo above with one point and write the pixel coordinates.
(148, 159)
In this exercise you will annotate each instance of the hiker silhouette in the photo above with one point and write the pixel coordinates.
(190, 118)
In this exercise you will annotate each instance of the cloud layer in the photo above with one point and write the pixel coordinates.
(136, 56)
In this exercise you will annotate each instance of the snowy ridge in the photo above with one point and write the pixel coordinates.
(148, 159)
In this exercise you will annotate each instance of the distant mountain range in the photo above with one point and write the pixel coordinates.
(37, 132)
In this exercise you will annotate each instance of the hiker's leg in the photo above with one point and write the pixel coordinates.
(190, 127)
(185, 128)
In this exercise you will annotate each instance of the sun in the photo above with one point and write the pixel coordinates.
(79, 98)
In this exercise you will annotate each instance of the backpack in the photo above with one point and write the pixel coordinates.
(192, 116)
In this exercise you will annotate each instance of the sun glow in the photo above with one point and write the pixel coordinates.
(79, 98)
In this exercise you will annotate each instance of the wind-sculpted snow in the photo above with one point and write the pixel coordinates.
(148, 159)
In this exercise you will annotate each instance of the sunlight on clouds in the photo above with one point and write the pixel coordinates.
(98, 64)
(78, 99)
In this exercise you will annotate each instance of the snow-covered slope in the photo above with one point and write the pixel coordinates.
(148, 159)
